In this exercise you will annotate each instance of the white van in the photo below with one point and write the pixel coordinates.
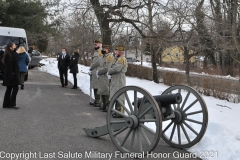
(15, 35)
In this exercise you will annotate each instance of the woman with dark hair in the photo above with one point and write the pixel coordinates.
(11, 76)
(74, 67)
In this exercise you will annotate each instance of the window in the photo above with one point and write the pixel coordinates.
(36, 53)
(19, 41)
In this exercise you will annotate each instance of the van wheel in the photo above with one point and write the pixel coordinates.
(26, 77)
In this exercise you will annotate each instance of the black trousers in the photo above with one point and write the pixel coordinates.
(10, 96)
(75, 79)
(63, 76)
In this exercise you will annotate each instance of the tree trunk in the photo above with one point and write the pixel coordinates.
(154, 66)
(106, 32)
(187, 63)
(205, 63)
(152, 50)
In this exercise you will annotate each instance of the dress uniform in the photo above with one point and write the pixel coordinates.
(93, 68)
(103, 81)
(118, 78)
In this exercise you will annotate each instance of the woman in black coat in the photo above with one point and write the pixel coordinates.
(74, 67)
(11, 76)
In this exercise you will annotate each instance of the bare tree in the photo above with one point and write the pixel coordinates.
(223, 18)
(205, 38)
(235, 31)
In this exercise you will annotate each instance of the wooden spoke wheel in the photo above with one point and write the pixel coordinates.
(191, 119)
(141, 122)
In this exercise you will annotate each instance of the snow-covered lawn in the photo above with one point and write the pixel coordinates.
(222, 137)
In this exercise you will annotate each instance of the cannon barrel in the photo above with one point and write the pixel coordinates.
(165, 100)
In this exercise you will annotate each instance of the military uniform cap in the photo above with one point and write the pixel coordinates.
(106, 46)
(98, 41)
(120, 48)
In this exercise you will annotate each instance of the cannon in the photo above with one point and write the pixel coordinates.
(179, 116)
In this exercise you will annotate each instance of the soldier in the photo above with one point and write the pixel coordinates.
(103, 82)
(118, 79)
(93, 68)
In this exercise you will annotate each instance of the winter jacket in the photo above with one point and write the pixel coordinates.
(23, 61)
(118, 80)
(11, 73)
(74, 63)
(103, 81)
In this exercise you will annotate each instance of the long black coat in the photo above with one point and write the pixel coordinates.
(11, 71)
(1, 64)
(63, 63)
(74, 63)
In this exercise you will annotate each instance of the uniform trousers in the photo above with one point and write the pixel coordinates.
(97, 96)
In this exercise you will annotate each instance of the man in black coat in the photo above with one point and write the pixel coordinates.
(63, 64)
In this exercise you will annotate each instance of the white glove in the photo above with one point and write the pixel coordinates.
(109, 76)
(97, 76)
(97, 73)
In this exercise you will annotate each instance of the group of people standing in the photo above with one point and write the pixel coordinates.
(65, 62)
(14, 65)
(107, 75)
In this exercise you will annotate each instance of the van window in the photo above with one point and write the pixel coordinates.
(36, 53)
(19, 41)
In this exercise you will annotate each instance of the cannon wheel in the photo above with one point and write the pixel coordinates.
(186, 129)
(135, 136)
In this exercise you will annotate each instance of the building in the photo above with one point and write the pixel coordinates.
(175, 55)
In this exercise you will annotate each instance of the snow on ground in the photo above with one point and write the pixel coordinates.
(222, 138)
(148, 64)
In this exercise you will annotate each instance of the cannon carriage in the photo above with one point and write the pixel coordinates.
(179, 116)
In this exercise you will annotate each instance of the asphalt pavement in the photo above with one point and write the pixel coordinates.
(50, 122)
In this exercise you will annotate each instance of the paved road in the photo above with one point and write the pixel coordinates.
(49, 124)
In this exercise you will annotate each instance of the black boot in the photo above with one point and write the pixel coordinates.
(115, 115)
(22, 87)
(74, 87)
(105, 110)
(102, 107)
(97, 104)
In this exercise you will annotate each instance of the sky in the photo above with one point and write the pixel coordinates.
(221, 140)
